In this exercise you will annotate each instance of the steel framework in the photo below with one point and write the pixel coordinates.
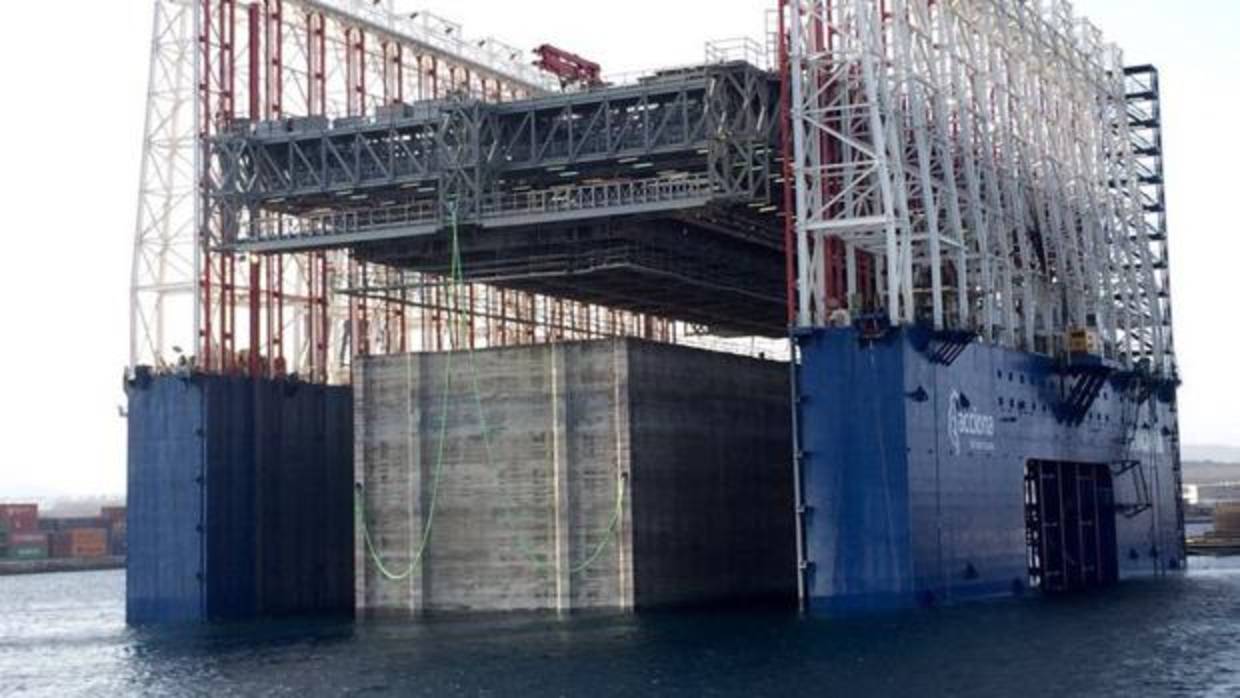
(987, 166)
(704, 135)
(653, 197)
(165, 255)
(218, 66)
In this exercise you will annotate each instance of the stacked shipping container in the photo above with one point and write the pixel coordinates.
(27, 546)
(117, 529)
(80, 542)
(20, 518)
(25, 536)
(19, 532)
(69, 523)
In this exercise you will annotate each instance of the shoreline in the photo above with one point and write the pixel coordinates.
(11, 568)
(1214, 546)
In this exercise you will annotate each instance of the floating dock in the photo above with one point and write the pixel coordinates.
(933, 482)
(849, 316)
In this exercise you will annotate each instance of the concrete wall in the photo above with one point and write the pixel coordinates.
(574, 478)
(712, 478)
(508, 524)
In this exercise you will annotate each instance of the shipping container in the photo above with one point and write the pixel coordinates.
(118, 539)
(19, 539)
(27, 546)
(54, 524)
(80, 542)
(27, 552)
(20, 517)
(115, 516)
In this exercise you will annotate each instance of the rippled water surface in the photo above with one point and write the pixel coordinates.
(64, 635)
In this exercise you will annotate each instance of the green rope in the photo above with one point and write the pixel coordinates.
(415, 557)
(608, 537)
(453, 284)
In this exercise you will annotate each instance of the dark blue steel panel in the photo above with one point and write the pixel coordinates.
(242, 498)
(232, 591)
(855, 472)
(166, 457)
(305, 455)
(961, 436)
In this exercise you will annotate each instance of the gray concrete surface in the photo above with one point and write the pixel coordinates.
(614, 475)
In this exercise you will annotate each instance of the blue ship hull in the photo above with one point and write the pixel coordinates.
(935, 470)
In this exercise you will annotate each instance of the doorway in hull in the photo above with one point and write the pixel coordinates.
(1070, 526)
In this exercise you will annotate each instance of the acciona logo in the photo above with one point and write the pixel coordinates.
(968, 423)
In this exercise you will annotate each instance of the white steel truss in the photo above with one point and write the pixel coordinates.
(165, 255)
(985, 161)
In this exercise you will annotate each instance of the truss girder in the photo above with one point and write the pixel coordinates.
(714, 125)
(733, 106)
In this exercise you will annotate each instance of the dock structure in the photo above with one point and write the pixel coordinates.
(1224, 538)
(653, 197)
(936, 231)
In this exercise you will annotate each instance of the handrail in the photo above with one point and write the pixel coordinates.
(443, 35)
(567, 199)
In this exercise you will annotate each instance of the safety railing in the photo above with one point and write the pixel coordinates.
(559, 201)
(606, 195)
(275, 228)
(738, 49)
(445, 35)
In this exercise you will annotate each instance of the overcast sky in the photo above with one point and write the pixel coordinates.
(74, 77)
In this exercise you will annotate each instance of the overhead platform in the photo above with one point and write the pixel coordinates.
(678, 267)
(655, 197)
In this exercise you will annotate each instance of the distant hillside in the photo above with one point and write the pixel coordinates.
(1207, 454)
(78, 506)
(1206, 473)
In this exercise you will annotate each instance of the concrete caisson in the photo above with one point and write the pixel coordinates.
(617, 474)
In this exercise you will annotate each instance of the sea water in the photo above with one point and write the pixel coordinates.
(65, 635)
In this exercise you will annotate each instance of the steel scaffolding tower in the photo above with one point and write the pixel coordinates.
(217, 65)
(165, 254)
(984, 166)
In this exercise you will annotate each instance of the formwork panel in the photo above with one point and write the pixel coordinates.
(855, 462)
(230, 537)
(304, 561)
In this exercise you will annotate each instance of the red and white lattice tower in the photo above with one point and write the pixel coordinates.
(220, 63)
(165, 264)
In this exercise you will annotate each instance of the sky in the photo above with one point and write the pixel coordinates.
(75, 76)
